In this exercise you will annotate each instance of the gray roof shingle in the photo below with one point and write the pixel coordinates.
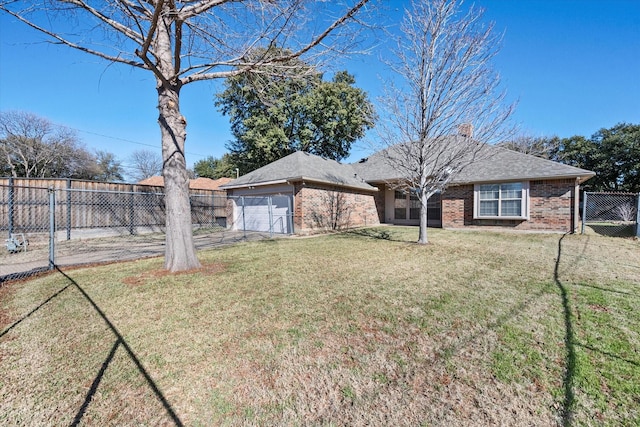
(303, 166)
(507, 165)
(497, 164)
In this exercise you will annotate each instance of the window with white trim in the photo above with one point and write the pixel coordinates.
(505, 200)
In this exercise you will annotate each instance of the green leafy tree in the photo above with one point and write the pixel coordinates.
(275, 115)
(214, 168)
(613, 154)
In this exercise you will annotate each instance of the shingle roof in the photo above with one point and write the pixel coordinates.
(508, 165)
(497, 164)
(301, 166)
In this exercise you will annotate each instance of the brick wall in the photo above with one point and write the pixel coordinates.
(550, 207)
(319, 207)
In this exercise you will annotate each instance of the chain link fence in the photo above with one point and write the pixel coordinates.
(611, 214)
(44, 227)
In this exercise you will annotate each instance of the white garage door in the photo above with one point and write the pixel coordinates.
(271, 214)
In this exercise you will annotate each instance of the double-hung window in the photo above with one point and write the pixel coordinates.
(504, 200)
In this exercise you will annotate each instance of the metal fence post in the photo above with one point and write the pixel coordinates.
(290, 216)
(244, 226)
(584, 210)
(52, 228)
(132, 213)
(638, 216)
(68, 209)
(11, 206)
(270, 209)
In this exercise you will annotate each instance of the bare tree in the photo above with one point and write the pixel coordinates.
(333, 211)
(109, 167)
(447, 104)
(32, 146)
(182, 42)
(145, 164)
(536, 146)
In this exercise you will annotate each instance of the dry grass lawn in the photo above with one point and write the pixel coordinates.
(361, 328)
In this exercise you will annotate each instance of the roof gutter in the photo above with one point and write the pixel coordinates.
(580, 178)
(300, 178)
(254, 184)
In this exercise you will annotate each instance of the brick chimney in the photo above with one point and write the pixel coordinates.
(465, 130)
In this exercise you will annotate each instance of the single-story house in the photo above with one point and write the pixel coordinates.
(504, 189)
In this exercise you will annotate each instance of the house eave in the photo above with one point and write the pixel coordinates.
(254, 184)
(299, 179)
(580, 178)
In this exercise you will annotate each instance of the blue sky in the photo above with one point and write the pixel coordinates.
(573, 66)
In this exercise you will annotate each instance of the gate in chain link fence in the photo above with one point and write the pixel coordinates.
(66, 226)
(611, 214)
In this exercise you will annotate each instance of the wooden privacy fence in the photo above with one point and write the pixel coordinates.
(25, 205)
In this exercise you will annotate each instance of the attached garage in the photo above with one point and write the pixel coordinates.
(271, 213)
(301, 193)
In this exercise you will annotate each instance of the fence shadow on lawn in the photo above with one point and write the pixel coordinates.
(119, 342)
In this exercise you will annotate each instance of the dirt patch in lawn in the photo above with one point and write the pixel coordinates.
(206, 269)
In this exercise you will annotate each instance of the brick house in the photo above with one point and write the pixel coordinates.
(301, 193)
(506, 189)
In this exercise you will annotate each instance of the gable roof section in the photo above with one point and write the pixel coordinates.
(507, 165)
(301, 166)
(499, 164)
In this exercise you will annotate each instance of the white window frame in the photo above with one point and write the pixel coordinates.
(524, 207)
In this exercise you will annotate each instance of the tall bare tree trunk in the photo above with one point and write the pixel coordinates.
(180, 251)
(422, 236)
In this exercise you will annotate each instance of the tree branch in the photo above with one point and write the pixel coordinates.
(69, 43)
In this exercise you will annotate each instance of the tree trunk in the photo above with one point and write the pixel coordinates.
(422, 236)
(180, 250)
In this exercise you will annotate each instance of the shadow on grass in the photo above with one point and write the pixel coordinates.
(29, 314)
(372, 233)
(569, 340)
(120, 341)
(613, 229)
(611, 355)
(600, 288)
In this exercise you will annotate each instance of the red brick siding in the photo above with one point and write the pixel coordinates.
(550, 207)
(312, 207)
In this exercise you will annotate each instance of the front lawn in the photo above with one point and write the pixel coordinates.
(360, 328)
